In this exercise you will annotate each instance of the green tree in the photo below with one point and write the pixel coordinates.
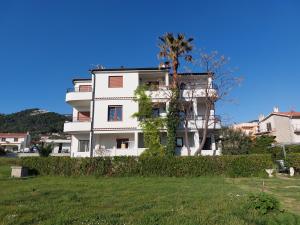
(172, 49)
(150, 124)
(263, 144)
(235, 142)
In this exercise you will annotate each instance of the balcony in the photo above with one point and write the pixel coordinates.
(198, 121)
(82, 125)
(76, 95)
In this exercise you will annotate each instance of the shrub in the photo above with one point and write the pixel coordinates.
(263, 203)
(45, 151)
(233, 166)
(293, 160)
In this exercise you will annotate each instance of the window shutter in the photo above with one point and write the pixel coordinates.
(85, 88)
(83, 116)
(115, 81)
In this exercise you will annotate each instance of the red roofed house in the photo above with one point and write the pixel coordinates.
(285, 126)
(14, 141)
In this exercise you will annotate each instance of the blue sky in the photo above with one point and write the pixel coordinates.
(44, 44)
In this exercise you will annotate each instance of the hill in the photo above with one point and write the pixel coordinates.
(36, 121)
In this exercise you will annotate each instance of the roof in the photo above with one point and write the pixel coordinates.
(81, 79)
(12, 135)
(131, 69)
(291, 114)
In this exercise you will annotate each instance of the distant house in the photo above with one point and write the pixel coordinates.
(249, 128)
(285, 126)
(60, 145)
(14, 141)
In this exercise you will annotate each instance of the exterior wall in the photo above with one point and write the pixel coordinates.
(75, 143)
(295, 124)
(130, 82)
(129, 107)
(283, 128)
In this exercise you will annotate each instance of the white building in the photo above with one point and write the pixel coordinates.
(14, 141)
(285, 126)
(103, 107)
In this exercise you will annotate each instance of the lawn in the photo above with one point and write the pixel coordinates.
(139, 200)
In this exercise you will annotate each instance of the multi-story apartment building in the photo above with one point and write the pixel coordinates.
(285, 126)
(103, 107)
(14, 141)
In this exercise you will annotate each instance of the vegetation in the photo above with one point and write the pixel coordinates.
(231, 166)
(2, 151)
(262, 144)
(172, 49)
(34, 121)
(235, 142)
(263, 203)
(138, 200)
(45, 150)
(293, 160)
(150, 124)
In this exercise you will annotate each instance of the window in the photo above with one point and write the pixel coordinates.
(83, 146)
(269, 127)
(122, 143)
(155, 112)
(83, 116)
(16, 139)
(207, 144)
(115, 81)
(3, 139)
(115, 113)
(85, 88)
(179, 142)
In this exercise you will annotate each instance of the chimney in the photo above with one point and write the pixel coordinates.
(261, 117)
(275, 109)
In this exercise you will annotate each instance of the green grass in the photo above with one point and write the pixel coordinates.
(131, 200)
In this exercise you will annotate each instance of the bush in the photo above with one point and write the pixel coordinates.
(263, 203)
(233, 166)
(293, 160)
(45, 151)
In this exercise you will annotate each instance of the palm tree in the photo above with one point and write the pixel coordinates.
(172, 49)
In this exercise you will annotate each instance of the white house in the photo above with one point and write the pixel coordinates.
(285, 126)
(103, 107)
(15, 141)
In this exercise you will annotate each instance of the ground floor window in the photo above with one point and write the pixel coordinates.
(207, 145)
(83, 146)
(122, 143)
(179, 142)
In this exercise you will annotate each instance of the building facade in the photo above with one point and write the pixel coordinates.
(285, 126)
(103, 107)
(249, 128)
(14, 141)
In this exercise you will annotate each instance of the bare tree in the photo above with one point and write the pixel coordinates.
(220, 80)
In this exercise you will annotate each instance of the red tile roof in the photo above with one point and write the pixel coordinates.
(12, 135)
(291, 114)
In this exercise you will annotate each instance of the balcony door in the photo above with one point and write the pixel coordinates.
(83, 116)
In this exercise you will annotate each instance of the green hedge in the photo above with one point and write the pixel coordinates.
(293, 160)
(233, 166)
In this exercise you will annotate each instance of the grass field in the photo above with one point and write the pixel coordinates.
(137, 200)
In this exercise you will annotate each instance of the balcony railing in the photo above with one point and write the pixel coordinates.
(76, 119)
(80, 89)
